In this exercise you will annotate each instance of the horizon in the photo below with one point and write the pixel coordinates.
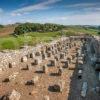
(49, 23)
(65, 12)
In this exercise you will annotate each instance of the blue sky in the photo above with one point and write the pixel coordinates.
(67, 12)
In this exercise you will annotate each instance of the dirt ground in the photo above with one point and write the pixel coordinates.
(72, 88)
(7, 31)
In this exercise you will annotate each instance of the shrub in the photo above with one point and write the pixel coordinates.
(98, 33)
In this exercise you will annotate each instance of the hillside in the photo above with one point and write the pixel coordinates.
(7, 30)
(70, 29)
(31, 34)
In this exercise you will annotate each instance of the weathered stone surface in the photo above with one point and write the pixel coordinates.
(37, 61)
(26, 67)
(6, 80)
(35, 79)
(37, 54)
(46, 97)
(52, 62)
(14, 95)
(24, 59)
(13, 76)
(29, 82)
(61, 84)
(80, 74)
(65, 63)
(11, 65)
(84, 89)
(1, 69)
(71, 67)
(98, 89)
(45, 69)
(32, 55)
(60, 71)
(80, 62)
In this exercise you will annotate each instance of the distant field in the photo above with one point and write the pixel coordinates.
(81, 30)
(8, 41)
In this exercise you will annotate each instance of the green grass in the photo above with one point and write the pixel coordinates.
(78, 30)
(11, 42)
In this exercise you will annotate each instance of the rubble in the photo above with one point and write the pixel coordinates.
(13, 76)
(14, 95)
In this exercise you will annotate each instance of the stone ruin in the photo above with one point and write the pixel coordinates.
(14, 95)
(56, 53)
(55, 50)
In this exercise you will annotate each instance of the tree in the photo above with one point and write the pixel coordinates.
(1, 26)
(98, 33)
(36, 27)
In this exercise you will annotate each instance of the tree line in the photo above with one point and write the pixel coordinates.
(36, 27)
(1, 26)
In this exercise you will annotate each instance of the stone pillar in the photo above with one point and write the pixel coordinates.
(24, 59)
(45, 69)
(52, 62)
(32, 55)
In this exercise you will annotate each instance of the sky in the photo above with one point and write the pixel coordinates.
(66, 12)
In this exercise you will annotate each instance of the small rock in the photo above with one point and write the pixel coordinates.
(15, 95)
(46, 97)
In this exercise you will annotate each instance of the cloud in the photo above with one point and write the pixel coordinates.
(53, 19)
(39, 6)
(1, 10)
(83, 5)
(16, 14)
(84, 19)
(86, 7)
(91, 18)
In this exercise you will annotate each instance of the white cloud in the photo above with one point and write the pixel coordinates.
(83, 5)
(16, 14)
(39, 6)
(53, 19)
(91, 18)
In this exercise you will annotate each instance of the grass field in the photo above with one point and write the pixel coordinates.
(76, 29)
(33, 38)
(11, 42)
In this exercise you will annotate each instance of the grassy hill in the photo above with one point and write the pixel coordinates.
(7, 30)
(8, 41)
